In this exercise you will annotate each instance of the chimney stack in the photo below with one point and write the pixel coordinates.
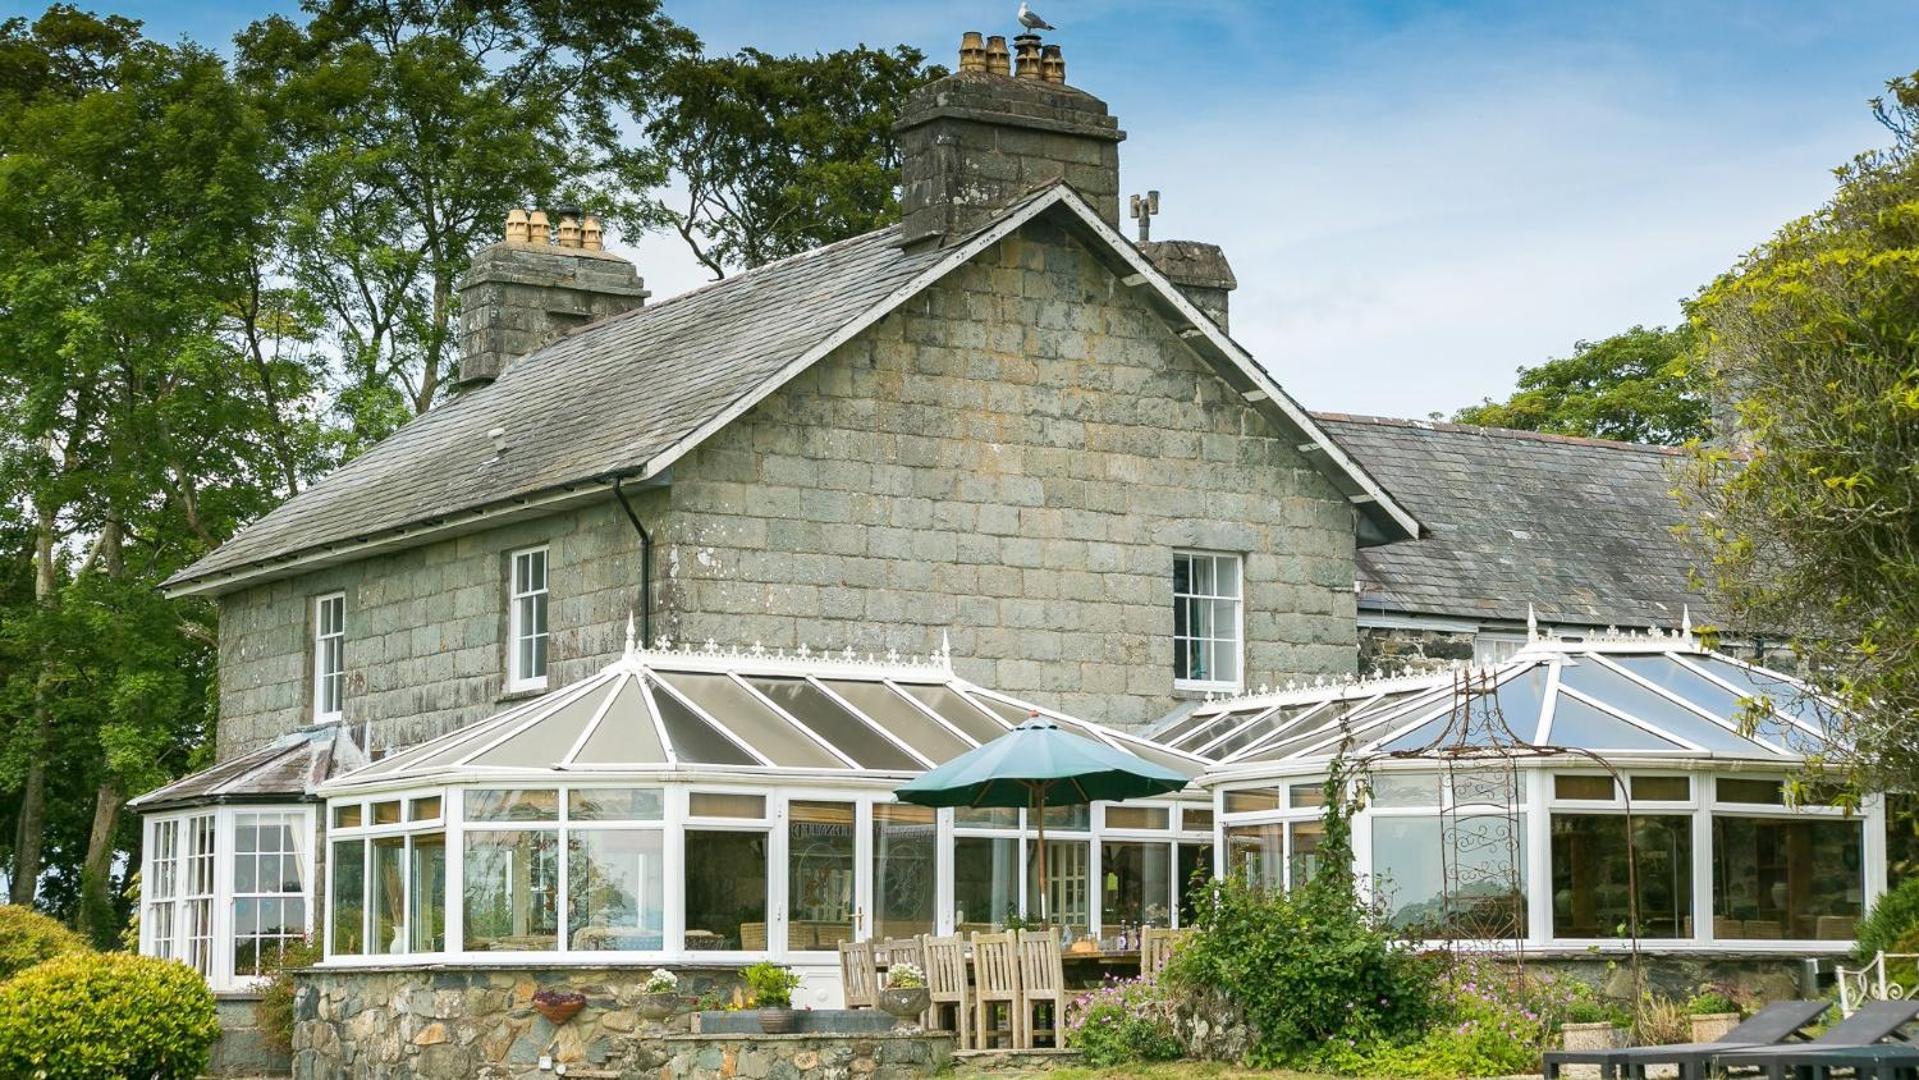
(527, 290)
(978, 140)
(1200, 270)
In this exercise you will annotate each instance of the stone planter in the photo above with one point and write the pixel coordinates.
(661, 1006)
(1711, 1027)
(778, 1021)
(560, 1009)
(905, 1003)
(1599, 1036)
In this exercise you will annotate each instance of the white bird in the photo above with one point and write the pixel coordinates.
(1031, 20)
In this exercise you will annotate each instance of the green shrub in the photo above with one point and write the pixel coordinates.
(28, 937)
(101, 1016)
(1485, 1030)
(1894, 916)
(1710, 1001)
(274, 1011)
(1123, 1022)
(771, 984)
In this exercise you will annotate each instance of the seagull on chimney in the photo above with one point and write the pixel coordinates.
(1031, 20)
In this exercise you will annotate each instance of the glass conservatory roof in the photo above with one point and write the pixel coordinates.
(714, 709)
(1625, 695)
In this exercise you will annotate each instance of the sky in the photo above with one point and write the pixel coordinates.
(1417, 198)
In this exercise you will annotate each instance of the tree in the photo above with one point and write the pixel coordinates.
(1812, 523)
(780, 154)
(407, 131)
(1635, 386)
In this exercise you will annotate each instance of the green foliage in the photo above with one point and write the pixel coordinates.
(1814, 339)
(28, 937)
(1483, 1028)
(1709, 1001)
(1635, 386)
(1893, 916)
(1122, 1022)
(274, 1011)
(1313, 966)
(106, 1015)
(772, 986)
(783, 153)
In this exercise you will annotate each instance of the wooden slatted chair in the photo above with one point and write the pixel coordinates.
(948, 986)
(995, 984)
(859, 976)
(897, 949)
(1042, 981)
(1156, 946)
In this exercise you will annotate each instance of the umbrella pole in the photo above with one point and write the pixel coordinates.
(1045, 884)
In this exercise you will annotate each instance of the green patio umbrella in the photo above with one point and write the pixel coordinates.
(1037, 763)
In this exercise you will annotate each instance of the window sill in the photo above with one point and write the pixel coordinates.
(519, 693)
(1189, 690)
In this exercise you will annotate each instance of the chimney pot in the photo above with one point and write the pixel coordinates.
(997, 61)
(536, 227)
(972, 54)
(1028, 56)
(516, 226)
(592, 234)
(569, 231)
(1052, 64)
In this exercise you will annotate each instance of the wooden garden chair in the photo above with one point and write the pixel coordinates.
(1156, 946)
(859, 976)
(948, 986)
(895, 950)
(995, 984)
(1042, 981)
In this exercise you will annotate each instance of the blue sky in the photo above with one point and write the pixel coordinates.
(1416, 197)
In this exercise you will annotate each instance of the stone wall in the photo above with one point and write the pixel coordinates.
(1012, 457)
(480, 1024)
(1394, 651)
(241, 1053)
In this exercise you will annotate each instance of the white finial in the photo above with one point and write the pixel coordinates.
(1532, 624)
(946, 651)
(631, 646)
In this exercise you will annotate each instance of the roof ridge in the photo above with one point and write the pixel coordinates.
(1499, 432)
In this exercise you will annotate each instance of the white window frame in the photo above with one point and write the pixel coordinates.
(323, 677)
(203, 896)
(1238, 638)
(517, 600)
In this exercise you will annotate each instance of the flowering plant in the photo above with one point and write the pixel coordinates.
(905, 975)
(1123, 1020)
(662, 981)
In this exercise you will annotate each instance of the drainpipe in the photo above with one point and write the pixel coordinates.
(646, 566)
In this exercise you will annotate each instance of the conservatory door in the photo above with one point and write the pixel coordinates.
(822, 875)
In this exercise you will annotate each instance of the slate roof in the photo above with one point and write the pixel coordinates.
(1579, 528)
(624, 396)
(287, 770)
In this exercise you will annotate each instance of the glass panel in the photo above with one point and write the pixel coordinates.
(722, 804)
(1246, 733)
(427, 809)
(1196, 818)
(726, 900)
(693, 739)
(1591, 885)
(1257, 853)
(1606, 685)
(386, 813)
(1068, 896)
(615, 804)
(626, 734)
(898, 716)
(1567, 786)
(1303, 861)
(1579, 725)
(820, 868)
(905, 845)
(548, 740)
(1517, 701)
(985, 882)
(1138, 817)
(1137, 889)
(389, 894)
(511, 804)
(1173, 733)
(1405, 789)
(1408, 878)
(346, 815)
(1490, 867)
(1661, 788)
(1309, 794)
(346, 872)
(1797, 878)
(1014, 715)
(1195, 870)
(1667, 673)
(829, 721)
(986, 817)
(1076, 818)
(616, 890)
(1252, 799)
(426, 910)
(955, 710)
(510, 891)
(1783, 697)
(1741, 790)
(750, 718)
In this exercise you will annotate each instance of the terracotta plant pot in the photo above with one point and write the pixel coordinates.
(1596, 1036)
(558, 1011)
(1710, 1027)
(905, 1003)
(779, 1021)
(661, 1006)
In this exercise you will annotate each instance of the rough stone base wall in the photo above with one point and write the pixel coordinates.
(806, 1057)
(241, 1053)
(1680, 975)
(1392, 651)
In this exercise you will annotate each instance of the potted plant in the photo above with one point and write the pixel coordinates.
(660, 997)
(772, 987)
(1589, 1025)
(1713, 1013)
(905, 994)
(559, 1006)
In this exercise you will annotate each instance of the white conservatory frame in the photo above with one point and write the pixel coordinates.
(218, 963)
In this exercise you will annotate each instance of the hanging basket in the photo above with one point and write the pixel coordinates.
(558, 1006)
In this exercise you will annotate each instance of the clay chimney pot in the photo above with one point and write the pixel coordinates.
(592, 234)
(516, 226)
(972, 53)
(569, 231)
(1027, 56)
(997, 60)
(1052, 64)
(536, 227)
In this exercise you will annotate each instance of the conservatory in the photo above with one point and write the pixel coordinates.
(702, 806)
(1620, 791)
